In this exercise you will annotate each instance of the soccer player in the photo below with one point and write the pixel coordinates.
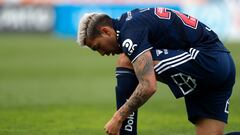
(168, 46)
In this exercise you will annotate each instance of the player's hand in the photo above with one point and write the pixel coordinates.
(113, 126)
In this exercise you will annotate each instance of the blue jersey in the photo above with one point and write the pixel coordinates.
(140, 30)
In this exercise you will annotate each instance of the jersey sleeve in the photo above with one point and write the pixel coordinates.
(135, 42)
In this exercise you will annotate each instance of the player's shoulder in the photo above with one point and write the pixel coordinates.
(137, 13)
(135, 19)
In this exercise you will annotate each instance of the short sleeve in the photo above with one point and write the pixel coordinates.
(134, 42)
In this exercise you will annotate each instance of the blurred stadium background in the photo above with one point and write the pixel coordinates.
(51, 86)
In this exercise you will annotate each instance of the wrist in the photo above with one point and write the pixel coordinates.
(118, 117)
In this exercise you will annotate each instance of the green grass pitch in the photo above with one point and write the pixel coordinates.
(51, 86)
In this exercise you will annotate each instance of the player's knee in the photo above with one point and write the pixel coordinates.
(123, 61)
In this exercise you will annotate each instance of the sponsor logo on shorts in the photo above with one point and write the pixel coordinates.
(185, 82)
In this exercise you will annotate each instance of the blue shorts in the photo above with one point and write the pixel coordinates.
(204, 78)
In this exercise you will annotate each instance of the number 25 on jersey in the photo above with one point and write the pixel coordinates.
(187, 20)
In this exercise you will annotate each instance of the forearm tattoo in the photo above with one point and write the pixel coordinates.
(143, 67)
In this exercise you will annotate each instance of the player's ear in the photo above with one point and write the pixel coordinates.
(106, 31)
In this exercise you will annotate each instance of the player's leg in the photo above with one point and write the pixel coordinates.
(126, 84)
(209, 127)
(208, 108)
(206, 81)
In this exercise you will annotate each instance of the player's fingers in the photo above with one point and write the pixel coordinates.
(109, 133)
(106, 130)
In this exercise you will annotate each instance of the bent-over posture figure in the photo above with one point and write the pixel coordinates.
(159, 44)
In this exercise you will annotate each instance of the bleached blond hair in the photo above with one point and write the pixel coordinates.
(88, 26)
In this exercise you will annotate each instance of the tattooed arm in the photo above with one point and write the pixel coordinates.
(144, 70)
(143, 67)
